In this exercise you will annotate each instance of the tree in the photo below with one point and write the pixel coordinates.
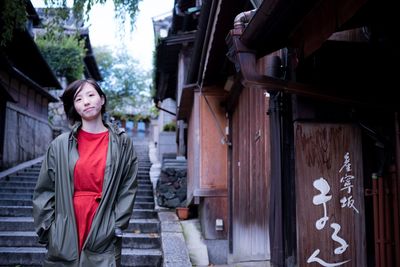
(13, 13)
(126, 84)
(64, 54)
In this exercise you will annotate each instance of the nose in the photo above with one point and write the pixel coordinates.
(86, 101)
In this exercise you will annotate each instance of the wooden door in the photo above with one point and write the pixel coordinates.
(249, 195)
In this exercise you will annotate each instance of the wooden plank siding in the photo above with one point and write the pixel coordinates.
(250, 177)
(207, 160)
(193, 149)
(329, 195)
(26, 132)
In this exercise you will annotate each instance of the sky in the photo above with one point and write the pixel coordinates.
(104, 29)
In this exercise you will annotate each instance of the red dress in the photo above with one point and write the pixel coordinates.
(88, 179)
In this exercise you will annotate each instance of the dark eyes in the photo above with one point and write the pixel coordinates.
(80, 98)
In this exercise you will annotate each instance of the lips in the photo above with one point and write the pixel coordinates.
(88, 109)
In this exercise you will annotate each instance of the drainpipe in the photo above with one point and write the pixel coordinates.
(245, 63)
(242, 19)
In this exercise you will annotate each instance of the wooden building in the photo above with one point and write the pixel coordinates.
(293, 130)
(25, 80)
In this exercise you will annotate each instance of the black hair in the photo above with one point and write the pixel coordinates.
(69, 95)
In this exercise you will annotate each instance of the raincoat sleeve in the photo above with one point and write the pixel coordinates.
(43, 200)
(127, 188)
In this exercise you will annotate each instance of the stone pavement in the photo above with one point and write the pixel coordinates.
(175, 252)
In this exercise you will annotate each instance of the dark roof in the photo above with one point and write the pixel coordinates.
(91, 67)
(23, 54)
(167, 64)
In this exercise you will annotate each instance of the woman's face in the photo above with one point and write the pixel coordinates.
(88, 102)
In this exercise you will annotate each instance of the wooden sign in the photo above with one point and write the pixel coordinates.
(329, 195)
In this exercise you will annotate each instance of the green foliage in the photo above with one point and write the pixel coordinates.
(12, 16)
(123, 8)
(13, 13)
(64, 54)
(125, 83)
(170, 127)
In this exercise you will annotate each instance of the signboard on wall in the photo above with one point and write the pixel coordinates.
(329, 195)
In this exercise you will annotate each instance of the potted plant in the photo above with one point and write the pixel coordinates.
(182, 212)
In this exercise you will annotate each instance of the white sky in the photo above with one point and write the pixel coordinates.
(103, 28)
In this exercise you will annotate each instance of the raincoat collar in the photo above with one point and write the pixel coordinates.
(110, 126)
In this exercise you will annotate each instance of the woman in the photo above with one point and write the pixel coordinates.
(84, 196)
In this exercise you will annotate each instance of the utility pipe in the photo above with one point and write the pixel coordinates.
(396, 188)
(160, 108)
(388, 221)
(395, 219)
(376, 218)
(381, 214)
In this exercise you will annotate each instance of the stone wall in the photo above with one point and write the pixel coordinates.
(57, 117)
(171, 188)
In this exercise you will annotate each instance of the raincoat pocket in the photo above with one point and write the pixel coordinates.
(62, 243)
(93, 259)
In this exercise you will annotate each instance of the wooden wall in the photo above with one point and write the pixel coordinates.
(207, 160)
(26, 132)
(249, 195)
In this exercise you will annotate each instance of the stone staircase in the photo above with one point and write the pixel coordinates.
(141, 243)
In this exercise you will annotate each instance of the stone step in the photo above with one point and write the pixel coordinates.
(25, 256)
(142, 205)
(30, 239)
(143, 179)
(24, 174)
(21, 178)
(143, 226)
(26, 224)
(15, 202)
(34, 256)
(141, 240)
(18, 239)
(16, 190)
(8, 195)
(141, 257)
(24, 184)
(144, 198)
(144, 192)
(144, 214)
(22, 211)
(35, 170)
(16, 224)
(146, 186)
(145, 183)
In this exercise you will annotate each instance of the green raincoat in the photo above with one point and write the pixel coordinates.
(53, 209)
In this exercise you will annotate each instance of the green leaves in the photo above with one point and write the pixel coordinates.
(13, 13)
(64, 55)
(126, 84)
(12, 16)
